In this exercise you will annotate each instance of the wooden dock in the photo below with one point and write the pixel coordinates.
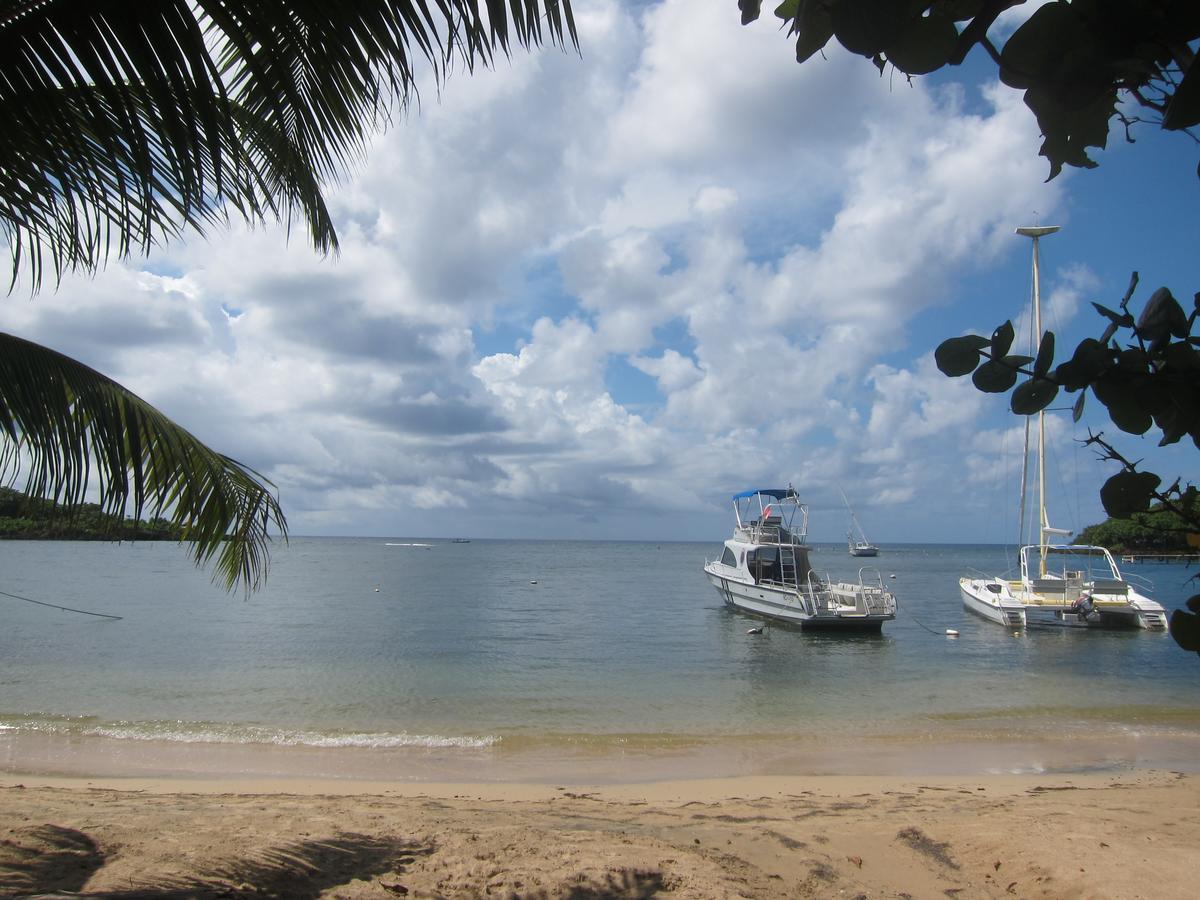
(1161, 557)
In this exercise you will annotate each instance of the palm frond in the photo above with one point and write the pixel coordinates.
(69, 424)
(123, 123)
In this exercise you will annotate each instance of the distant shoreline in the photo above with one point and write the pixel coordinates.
(25, 518)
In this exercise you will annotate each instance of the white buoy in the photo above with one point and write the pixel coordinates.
(950, 632)
(377, 590)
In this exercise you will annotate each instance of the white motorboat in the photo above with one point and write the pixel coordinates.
(1071, 585)
(856, 538)
(764, 570)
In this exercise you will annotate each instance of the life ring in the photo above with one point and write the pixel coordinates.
(767, 511)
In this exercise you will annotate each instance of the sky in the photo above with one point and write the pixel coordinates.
(593, 295)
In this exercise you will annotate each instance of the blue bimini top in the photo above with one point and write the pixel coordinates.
(777, 493)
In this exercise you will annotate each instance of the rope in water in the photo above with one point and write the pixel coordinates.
(83, 612)
(926, 627)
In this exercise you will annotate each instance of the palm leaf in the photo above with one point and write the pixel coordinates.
(123, 123)
(69, 424)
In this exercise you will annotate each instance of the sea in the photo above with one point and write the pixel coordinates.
(411, 659)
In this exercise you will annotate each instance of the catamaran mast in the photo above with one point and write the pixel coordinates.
(1035, 232)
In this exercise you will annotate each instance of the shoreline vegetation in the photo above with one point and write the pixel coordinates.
(29, 518)
(1157, 531)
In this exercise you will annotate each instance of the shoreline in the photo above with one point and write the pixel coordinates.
(667, 791)
(605, 759)
(1118, 835)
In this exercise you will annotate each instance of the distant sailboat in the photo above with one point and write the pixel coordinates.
(856, 539)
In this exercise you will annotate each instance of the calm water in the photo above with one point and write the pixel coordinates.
(358, 643)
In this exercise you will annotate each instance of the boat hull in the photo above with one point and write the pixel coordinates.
(993, 599)
(990, 604)
(791, 607)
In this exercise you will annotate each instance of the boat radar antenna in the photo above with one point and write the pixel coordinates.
(1036, 232)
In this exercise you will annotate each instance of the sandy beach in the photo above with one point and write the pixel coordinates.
(1119, 835)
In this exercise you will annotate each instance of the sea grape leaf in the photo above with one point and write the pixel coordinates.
(1185, 628)
(1002, 339)
(1161, 317)
(864, 27)
(1077, 409)
(959, 355)
(994, 377)
(1176, 411)
(1045, 355)
(1033, 396)
(814, 28)
(960, 10)
(787, 10)
(750, 10)
(1125, 407)
(1127, 493)
(1133, 360)
(924, 46)
(1090, 360)
(1032, 51)
(1181, 357)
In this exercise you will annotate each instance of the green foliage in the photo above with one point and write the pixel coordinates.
(1073, 61)
(1185, 626)
(30, 518)
(1155, 530)
(1153, 380)
(124, 123)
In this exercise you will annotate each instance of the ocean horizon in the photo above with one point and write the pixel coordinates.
(415, 657)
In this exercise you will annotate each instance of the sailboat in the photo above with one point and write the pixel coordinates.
(1066, 585)
(856, 538)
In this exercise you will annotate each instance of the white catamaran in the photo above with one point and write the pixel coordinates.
(1071, 585)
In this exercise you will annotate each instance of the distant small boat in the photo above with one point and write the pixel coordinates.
(856, 539)
(460, 540)
(390, 544)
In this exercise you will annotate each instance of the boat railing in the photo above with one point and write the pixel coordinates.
(1139, 583)
(816, 594)
(772, 533)
(876, 599)
(866, 571)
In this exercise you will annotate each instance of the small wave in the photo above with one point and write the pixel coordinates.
(214, 733)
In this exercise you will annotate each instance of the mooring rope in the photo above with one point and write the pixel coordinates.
(83, 612)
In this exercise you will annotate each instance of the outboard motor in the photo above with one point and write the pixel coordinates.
(1085, 608)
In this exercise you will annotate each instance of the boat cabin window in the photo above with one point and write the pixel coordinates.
(727, 558)
(763, 564)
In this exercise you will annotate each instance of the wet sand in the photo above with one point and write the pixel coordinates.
(1119, 834)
